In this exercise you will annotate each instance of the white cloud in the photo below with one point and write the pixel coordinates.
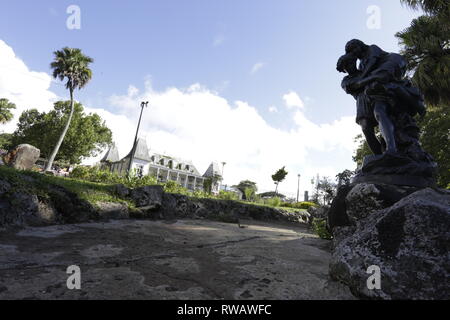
(257, 66)
(198, 124)
(292, 100)
(22, 86)
(273, 109)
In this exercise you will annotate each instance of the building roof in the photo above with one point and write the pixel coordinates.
(213, 170)
(112, 155)
(142, 152)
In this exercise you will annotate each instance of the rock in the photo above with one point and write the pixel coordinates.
(122, 191)
(148, 196)
(112, 210)
(409, 241)
(362, 200)
(353, 203)
(337, 215)
(23, 157)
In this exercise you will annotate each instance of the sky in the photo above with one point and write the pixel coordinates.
(252, 83)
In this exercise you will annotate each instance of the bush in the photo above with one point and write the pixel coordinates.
(274, 202)
(320, 228)
(95, 174)
(174, 187)
(227, 195)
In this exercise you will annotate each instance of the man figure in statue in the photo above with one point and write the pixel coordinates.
(380, 90)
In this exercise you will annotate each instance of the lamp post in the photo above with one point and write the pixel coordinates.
(133, 150)
(223, 168)
(298, 186)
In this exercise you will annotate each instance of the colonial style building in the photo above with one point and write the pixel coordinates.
(164, 168)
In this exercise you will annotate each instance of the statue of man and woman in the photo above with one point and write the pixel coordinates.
(385, 98)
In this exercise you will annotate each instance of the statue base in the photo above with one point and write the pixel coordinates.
(396, 169)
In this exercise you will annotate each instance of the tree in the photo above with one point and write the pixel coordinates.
(249, 194)
(426, 46)
(86, 137)
(435, 139)
(6, 141)
(246, 184)
(69, 63)
(344, 177)
(429, 6)
(5, 110)
(209, 182)
(278, 177)
(325, 190)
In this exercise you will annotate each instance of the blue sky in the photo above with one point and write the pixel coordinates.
(291, 45)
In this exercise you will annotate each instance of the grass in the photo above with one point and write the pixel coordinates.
(93, 192)
(89, 191)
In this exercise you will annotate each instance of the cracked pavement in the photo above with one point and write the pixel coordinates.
(186, 259)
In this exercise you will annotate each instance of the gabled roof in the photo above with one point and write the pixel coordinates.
(112, 155)
(213, 170)
(142, 152)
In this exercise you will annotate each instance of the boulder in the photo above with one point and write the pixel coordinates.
(112, 210)
(148, 196)
(22, 157)
(122, 191)
(409, 241)
(355, 202)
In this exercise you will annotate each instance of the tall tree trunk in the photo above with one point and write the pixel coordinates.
(276, 189)
(63, 134)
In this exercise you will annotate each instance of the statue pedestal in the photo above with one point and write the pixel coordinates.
(396, 169)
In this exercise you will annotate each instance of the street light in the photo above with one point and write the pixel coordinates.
(133, 150)
(298, 186)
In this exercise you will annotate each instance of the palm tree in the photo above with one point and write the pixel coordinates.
(429, 6)
(426, 46)
(72, 64)
(5, 110)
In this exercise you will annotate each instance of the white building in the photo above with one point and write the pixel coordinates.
(163, 167)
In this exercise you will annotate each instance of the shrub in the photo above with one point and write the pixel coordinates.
(174, 187)
(274, 202)
(227, 195)
(95, 174)
(320, 228)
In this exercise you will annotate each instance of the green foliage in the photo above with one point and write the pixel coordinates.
(72, 65)
(274, 202)
(425, 45)
(279, 176)
(227, 195)
(209, 182)
(435, 139)
(86, 136)
(272, 194)
(6, 141)
(5, 110)
(95, 174)
(246, 184)
(89, 191)
(344, 177)
(429, 6)
(320, 228)
(174, 187)
(249, 194)
(299, 205)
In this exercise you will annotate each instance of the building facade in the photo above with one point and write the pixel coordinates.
(164, 168)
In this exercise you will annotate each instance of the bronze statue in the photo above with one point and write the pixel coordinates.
(385, 98)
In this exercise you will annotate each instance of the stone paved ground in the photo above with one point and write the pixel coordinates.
(187, 259)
